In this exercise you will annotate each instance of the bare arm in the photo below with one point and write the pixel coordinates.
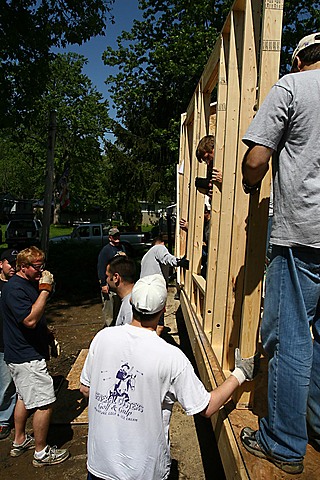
(220, 395)
(37, 310)
(84, 390)
(255, 164)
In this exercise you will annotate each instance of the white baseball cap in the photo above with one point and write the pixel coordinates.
(305, 42)
(149, 294)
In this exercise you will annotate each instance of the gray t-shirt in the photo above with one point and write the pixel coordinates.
(157, 260)
(288, 122)
(125, 312)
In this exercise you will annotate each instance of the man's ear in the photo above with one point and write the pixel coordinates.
(300, 64)
(116, 279)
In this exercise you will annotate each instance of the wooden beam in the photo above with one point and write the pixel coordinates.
(258, 212)
(229, 169)
(248, 89)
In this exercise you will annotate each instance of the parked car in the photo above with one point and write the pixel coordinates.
(22, 233)
(98, 234)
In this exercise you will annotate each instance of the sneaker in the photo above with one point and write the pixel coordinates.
(52, 456)
(18, 450)
(4, 431)
(248, 439)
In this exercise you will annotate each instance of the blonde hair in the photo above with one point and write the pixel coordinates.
(28, 256)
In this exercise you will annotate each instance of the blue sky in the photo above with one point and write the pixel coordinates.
(124, 12)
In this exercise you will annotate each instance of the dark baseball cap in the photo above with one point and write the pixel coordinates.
(10, 254)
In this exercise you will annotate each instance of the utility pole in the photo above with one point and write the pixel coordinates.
(49, 178)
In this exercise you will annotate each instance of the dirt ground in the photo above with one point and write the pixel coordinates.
(193, 449)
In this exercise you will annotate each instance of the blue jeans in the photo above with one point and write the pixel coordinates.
(291, 306)
(7, 393)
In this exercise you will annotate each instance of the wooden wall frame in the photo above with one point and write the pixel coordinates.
(223, 311)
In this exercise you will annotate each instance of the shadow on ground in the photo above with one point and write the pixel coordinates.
(211, 460)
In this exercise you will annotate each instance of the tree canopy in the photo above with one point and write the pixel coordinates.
(158, 65)
(28, 31)
(82, 121)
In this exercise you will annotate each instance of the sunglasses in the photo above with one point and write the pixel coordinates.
(38, 268)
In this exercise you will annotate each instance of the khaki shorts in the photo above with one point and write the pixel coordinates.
(33, 383)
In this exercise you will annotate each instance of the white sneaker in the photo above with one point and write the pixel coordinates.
(52, 456)
(18, 450)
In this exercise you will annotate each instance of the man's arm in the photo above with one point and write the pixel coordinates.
(37, 310)
(46, 286)
(220, 395)
(84, 390)
(103, 260)
(245, 370)
(164, 256)
(255, 164)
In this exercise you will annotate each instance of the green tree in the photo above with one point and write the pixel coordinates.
(159, 63)
(123, 185)
(28, 31)
(82, 121)
(299, 19)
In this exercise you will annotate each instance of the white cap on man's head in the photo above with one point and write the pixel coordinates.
(305, 42)
(149, 294)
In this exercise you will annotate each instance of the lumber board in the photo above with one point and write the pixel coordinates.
(249, 70)
(71, 406)
(229, 169)
(259, 203)
(216, 196)
(182, 195)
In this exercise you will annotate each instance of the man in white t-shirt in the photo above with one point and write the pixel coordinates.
(120, 277)
(132, 378)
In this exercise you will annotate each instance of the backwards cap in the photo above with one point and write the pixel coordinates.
(306, 42)
(149, 294)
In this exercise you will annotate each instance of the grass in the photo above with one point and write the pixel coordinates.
(57, 230)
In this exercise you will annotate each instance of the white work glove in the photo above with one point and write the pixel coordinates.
(246, 368)
(46, 281)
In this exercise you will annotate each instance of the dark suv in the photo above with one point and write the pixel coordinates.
(23, 233)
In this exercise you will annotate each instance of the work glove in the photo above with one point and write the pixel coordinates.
(46, 282)
(183, 262)
(245, 368)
